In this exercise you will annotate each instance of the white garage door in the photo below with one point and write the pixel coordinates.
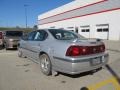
(85, 31)
(102, 31)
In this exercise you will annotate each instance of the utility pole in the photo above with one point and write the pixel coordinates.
(26, 21)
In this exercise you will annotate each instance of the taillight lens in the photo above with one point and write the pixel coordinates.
(102, 48)
(73, 51)
(84, 50)
(77, 50)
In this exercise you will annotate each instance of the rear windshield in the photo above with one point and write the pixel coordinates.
(14, 33)
(63, 34)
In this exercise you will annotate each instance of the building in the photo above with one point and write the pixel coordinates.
(90, 18)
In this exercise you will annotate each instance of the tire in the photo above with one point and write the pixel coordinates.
(20, 53)
(6, 46)
(1, 47)
(45, 64)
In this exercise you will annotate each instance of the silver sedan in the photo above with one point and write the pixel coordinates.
(64, 51)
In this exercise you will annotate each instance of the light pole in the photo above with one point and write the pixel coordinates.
(25, 5)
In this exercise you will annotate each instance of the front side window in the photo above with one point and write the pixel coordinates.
(63, 34)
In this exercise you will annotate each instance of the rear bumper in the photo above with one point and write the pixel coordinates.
(11, 44)
(78, 65)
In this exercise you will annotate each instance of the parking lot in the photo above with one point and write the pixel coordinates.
(23, 74)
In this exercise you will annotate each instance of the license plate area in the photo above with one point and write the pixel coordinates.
(96, 61)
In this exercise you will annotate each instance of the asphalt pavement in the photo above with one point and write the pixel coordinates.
(23, 74)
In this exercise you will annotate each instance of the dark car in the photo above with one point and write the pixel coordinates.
(11, 38)
(1, 39)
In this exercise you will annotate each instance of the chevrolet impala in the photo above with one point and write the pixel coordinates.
(57, 50)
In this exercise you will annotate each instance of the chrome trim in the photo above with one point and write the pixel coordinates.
(72, 61)
(80, 60)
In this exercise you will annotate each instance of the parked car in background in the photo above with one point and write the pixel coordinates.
(63, 51)
(1, 39)
(11, 38)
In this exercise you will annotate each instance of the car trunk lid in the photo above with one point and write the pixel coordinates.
(85, 47)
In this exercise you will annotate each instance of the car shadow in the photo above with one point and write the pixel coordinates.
(81, 74)
(1, 48)
(12, 49)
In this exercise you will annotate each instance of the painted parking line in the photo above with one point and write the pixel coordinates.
(112, 81)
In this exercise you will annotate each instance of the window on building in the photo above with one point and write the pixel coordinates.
(85, 30)
(102, 27)
(105, 29)
(99, 30)
(102, 30)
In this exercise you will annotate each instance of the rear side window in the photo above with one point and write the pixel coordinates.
(1, 35)
(63, 34)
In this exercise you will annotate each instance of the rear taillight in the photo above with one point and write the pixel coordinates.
(0, 35)
(84, 50)
(77, 51)
(73, 51)
(102, 48)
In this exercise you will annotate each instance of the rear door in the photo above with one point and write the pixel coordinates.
(37, 43)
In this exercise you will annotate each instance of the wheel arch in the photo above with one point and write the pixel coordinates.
(42, 52)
